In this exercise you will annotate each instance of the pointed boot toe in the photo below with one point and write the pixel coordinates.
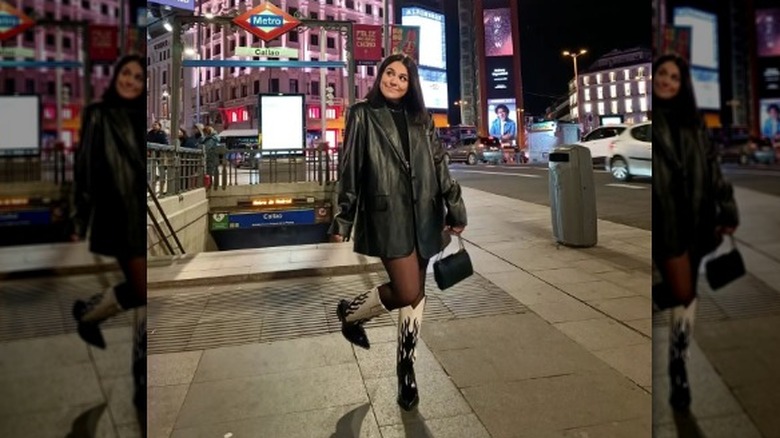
(353, 332)
(91, 334)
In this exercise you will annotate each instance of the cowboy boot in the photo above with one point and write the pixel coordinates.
(98, 308)
(679, 342)
(356, 313)
(409, 322)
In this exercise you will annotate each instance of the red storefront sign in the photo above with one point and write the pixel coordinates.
(12, 21)
(103, 43)
(368, 44)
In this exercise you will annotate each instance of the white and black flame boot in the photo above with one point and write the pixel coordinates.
(679, 343)
(409, 322)
(353, 314)
(99, 307)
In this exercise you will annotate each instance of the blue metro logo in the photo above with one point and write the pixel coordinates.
(267, 21)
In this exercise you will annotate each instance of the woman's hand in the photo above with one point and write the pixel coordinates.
(720, 231)
(455, 230)
(337, 238)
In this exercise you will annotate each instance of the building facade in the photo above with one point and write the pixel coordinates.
(40, 43)
(226, 97)
(615, 87)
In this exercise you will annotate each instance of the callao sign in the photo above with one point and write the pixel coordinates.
(267, 21)
(12, 21)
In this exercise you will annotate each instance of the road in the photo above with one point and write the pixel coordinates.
(624, 203)
(766, 181)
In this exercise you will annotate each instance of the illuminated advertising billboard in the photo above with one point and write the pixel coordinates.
(433, 51)
(704, 35)
(434, 88)
(20, 125)
(768, 32)
(770, 118)
(499, 77)
(706, 87)
(768, 78)
(498, 32)
(282, 121)
(504, 128)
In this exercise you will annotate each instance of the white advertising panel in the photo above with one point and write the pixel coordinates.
(706, 87)
(433, 49)
(704, 35)
(434, 88)
(282, 122)
(20, 125)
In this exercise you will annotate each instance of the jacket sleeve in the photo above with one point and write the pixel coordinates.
(727, 212)
(351, 173)
(449, 188)
(81, 201)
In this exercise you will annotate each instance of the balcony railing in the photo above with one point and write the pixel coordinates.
(170, 171)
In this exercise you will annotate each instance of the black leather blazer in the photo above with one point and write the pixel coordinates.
(394, 205)
(690, 195)
(109, 193)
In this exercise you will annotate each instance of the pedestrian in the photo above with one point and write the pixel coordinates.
(156, 134)
(109, 198)
(185, 141)
(693, 207)
(211, 149)
(393, 171)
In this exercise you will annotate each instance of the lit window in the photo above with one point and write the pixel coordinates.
(586, 80)
(626, 75)
(640, 72)
(613, 91)
(642, 87)
(600, 92)
(629, 120)
(643, 104)
(587, 95)
(613, 107)
(588, 107)
(627, 89)
(601, 108)
(612, 76)
(629, 106)
(598, 78)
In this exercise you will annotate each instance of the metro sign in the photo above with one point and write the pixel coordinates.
(267, 21)
(12, 21)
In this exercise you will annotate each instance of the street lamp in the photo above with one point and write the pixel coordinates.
(461, 103)
(576, 78)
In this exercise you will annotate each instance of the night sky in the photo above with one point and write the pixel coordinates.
(548, 27)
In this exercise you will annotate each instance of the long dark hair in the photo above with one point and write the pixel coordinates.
(684, 103)
(412, 100)
(111, 96)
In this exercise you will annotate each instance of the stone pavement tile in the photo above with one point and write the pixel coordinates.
(734, 426)
(592, 265)
(378, 335)
(526, 288)
(486, 263)
(636, 428)
(115, 360)
(499, 349)
(626, 308)
(163, 405)
(600, 334)
(274, 357)
(439, 398)
(460, 426)
(644, 326)
(380, 359)
(77, 385)
(540, 407)
(352, 420)
(130, 431)
(270, 394)
(120, 392)
(55, 423)
(565, 276)
(596, 290)
(740, 366)
(636, 281)
(172, 368)
(568, 309)
(761, 401)
(634, 362)
(29, 355)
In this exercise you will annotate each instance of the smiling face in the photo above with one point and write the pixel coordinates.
(501, 113)
(666, 81)
(130, 81)
(395, 82)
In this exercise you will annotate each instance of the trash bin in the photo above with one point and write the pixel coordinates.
(572, 196)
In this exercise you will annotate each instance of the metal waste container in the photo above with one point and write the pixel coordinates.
(572, 196)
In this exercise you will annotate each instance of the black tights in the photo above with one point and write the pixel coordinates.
(407, 281)
(132, 292)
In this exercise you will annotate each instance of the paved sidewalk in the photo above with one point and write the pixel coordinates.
(572, 360)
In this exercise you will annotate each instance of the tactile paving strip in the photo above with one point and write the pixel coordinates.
(747, 297)
(190, 319)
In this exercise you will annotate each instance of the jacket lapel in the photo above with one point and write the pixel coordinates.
(122, 126)
(387, 125)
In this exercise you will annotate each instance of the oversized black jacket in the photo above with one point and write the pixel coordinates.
(690, 195)
(109, 193)
(395, 206)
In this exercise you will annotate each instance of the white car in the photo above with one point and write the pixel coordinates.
(631, 153)
(599, 139)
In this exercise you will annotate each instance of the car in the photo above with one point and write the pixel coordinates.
(474, 150)
(598, 141)
(631, 153)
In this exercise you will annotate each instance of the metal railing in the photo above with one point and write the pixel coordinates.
(170, 171)
(50, 165)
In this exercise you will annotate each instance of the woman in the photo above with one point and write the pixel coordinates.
(393, 172)
(185, 141)
(211, 149)
(693, 207)
(110, 200)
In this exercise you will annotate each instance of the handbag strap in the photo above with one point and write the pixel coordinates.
(460, 243)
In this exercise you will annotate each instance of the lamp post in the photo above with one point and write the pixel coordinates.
(576, 78)
(461, 103)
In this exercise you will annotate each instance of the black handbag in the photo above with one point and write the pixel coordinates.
(725, 268)
(453, 269)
